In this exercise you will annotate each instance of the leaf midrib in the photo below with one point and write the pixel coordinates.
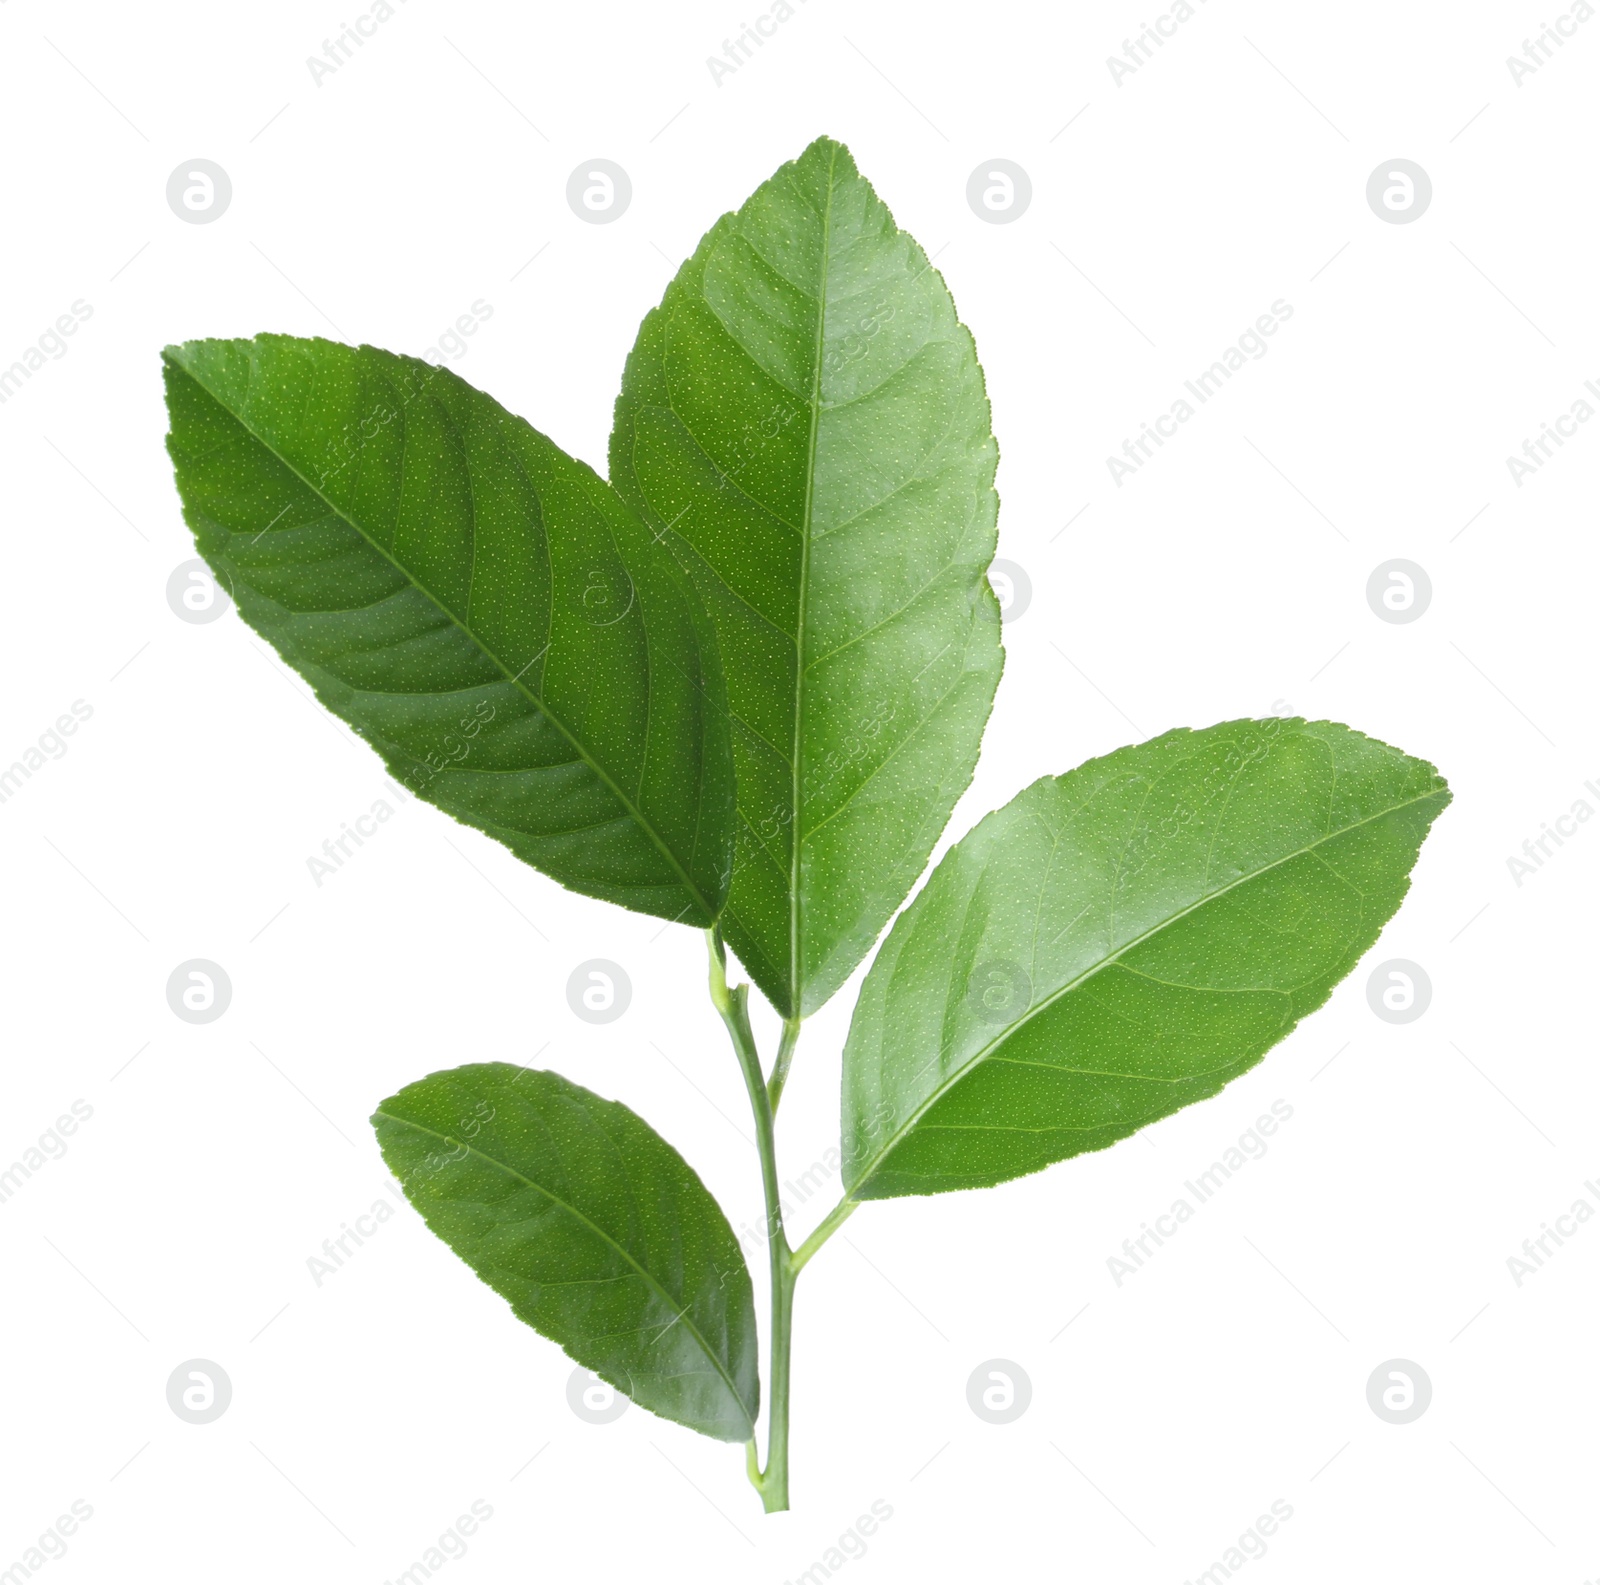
(415, 582)
(797, 990)
(982, 1054)
(600, 1233)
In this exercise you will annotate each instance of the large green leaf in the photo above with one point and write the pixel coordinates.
(598, 1232)
(482, 608)
(804, 418)
(1120, 941)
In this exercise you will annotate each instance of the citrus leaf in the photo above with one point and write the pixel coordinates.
(478, 605)
(1121, 941)
(594, 1228)
(804, 418)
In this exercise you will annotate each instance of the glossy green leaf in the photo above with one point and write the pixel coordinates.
(804, 418)
(1121, 941)
(594, 1228)
(480, 607)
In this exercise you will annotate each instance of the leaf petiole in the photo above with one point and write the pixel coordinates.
(780, 1067)
(826, 1228)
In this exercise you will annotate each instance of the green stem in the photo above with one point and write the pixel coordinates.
(774, 1486)
(780, 1068)
(731, 1004)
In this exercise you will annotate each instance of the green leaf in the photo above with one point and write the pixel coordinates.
(1119, 942)
(594, 1228)
(480, 607)
(804, 418)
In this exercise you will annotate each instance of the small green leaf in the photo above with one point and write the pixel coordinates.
(1121, 941)
(480, 607)
(593, 1227)
(805, 419)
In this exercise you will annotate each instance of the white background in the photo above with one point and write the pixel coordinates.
(1226, 578)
